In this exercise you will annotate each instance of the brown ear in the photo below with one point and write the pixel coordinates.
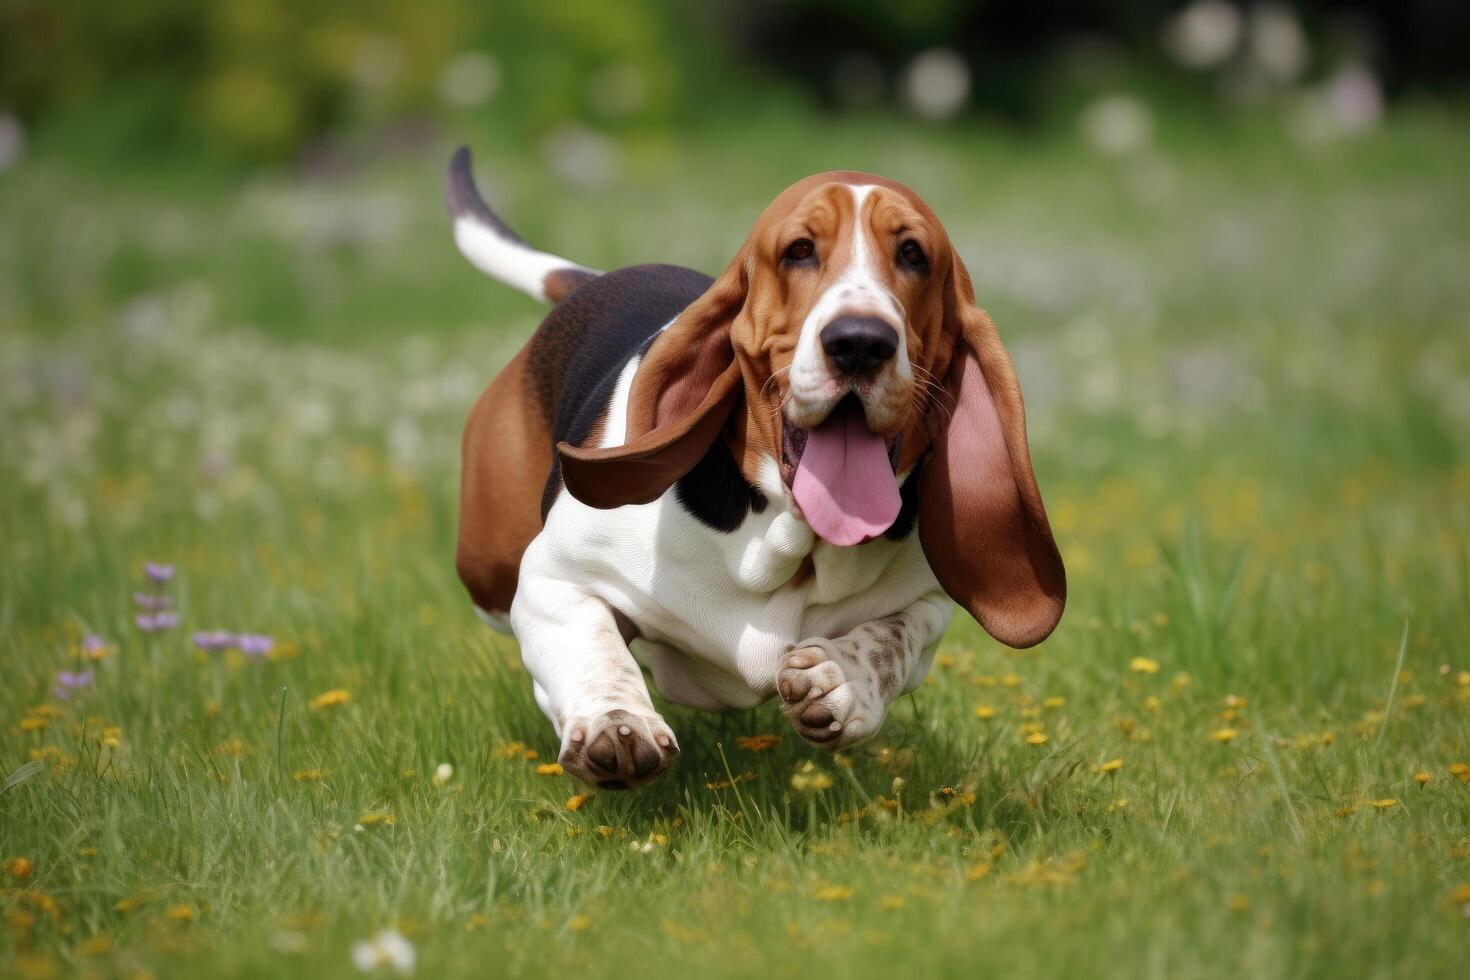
(685, 389)
(981, 519)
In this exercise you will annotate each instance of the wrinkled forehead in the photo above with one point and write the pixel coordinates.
(824, 189)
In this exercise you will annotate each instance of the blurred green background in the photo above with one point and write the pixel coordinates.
(1226, 244)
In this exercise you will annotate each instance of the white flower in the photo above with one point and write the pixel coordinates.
(1117, 124)
(936, 84)
(387, 948)
(469, 79)
(443, 774)
(1203, 34)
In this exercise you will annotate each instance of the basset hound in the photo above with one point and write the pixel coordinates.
(778, 481)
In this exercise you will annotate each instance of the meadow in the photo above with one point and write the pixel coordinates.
(1244, 752)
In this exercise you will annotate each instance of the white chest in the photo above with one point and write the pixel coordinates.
(717, 611)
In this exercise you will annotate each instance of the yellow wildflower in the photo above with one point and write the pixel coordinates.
(757, 743)
(575, 802)
(743, 777)
(579, 923)
(33, 723)
(984, 712)
(39, 901)
(1111, 766)
(1461, 895)
(1053, 702)
(809, 777)
(311, 775)
(896, 901)
(1386, 803)
(20, 867)
(513, 750)
(1461, 772)
(549, 769)
(1239, 903)
(374, 817)
(1144, 665)
(1223, 735)
(1422, 777)
(330, 699)
(235, 748)
(834, 893)
(1011, 680)
(98, 945)
(179, 913)
(1036, 738)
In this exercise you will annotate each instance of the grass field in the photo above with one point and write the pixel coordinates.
(1248, 377)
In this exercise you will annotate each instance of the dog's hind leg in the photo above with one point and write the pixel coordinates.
(589, 685)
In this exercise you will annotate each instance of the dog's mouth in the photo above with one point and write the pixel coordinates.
(842, 474)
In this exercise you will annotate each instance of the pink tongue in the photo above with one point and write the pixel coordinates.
(844, 483)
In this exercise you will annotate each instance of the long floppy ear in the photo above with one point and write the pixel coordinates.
(981, 520)
(683, 393)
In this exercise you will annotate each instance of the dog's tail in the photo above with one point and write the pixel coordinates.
(497, 251)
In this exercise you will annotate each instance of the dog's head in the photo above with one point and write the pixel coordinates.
(840, 352)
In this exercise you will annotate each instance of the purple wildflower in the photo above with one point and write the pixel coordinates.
(94, 646)
(158, 572)
(152, 623)
(254, 644)
(152, 601)
(68, 683)
(213, 641)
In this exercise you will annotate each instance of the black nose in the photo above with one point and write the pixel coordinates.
(859, 344)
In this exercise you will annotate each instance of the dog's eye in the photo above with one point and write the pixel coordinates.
(800, 250)
(911, 255)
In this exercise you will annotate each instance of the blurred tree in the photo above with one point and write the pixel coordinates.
(257, 79)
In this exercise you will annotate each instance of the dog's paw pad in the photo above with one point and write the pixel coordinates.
(618, 749)
(818, 698)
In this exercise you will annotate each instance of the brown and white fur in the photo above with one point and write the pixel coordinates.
(626, 495)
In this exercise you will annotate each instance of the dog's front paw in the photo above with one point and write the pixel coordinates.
(825, 697)
(617, 749)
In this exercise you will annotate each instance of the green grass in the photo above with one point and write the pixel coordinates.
(1249, 389)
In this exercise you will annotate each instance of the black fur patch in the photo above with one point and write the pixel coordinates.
(716, 492)
(583, 344)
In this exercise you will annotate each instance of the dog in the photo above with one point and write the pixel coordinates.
(776, 482)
